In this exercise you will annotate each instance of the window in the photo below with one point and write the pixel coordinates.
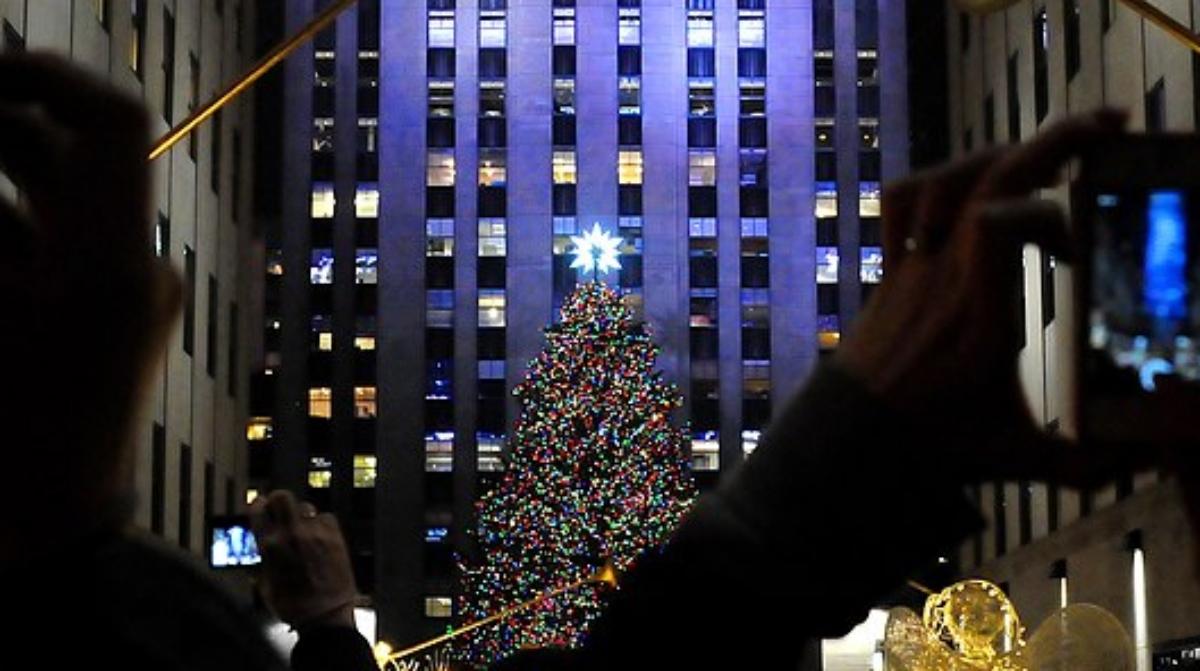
(700, 29)
(492, 237)
(320, 271)
(210, 364)
(564, 26)
(440, 168)
(320, 473)
(871, 265)
(629, 95)
(1041, 76)
(629, 170)
(492, 167)
(755, 227)
(702, 167)
(137, 37)
(439, 452)
(1071, 36)
(706, 452)
(826, 200)
(259, 429)
(629, 26)
(439, 308)
(364, 471)
(564, 96)
(168, 65)
(490, 449)
(441, 29)
(491, 308)
(701, 98)
(320, 402)
(364, 403)
(366, 200)
(827, 265)
(869, 194)
(103, 15)
(702, 227)
(753, 98)
(162, 240)
(323, 200)
(438, 607)
(752, 29)
(1014, 101)
(753, 168)
(189, 305)
(1156, 110)
(491, 369)
(491, 99)
(492, 30)
(564, 167)
(439, 237)
(441, 99)
(366, 266)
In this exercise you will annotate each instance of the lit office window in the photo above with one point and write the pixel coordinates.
(629, 169)
(364, 343)
(364, 332)
(629, 26)
(493, 167)
(702, 167)
(490, 452)
(871, 265)
(493, 237)
(320, 402)
(750, 440)
(491, 369)
(441, 98)
(441, 29)
(752, 97)
(752, 29)
(564, 96)
(564, 26)
(364, 403)
(439, 308)
(322, 134)
(438, 607)
(366, 200)
(321, 269)
(629, 95)
(439, 452)
(706, 452)
(700, 29)
(368, 135)
(365, 468)
(755, 227)
(756, 308)
(492, 30)
(259, 429)
(366, 266)
(320, 473)
(702, 100)
(753, 167)
(274, 262)
(869, 199)
(828, 332)
(702, 308)
(825, 136)
(323, 200)
(439, 237)
(491, 308)
(827, 265)
(324, 341)
(868, 134)
(439, 170)
(826, 200)
(491, 98)
(322, 333)
(702, 227)
(564, 167)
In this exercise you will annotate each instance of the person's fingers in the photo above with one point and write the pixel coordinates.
(1038, 163)
(946, 192)
(899, 209)
(259, 523)
(70, 95)
(307, 510)
(16, 231)
(330, 520)
(282, 508)
(32, 149)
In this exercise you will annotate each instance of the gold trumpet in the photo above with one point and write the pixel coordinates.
(1143, 7)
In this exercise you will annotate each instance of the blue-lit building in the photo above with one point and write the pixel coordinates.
(443, 153)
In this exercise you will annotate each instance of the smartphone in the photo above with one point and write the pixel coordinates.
(232, 543)
(1136, 212)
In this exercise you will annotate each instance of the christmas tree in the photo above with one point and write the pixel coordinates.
(597, 472)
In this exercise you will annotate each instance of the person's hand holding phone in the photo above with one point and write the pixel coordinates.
(306, 577)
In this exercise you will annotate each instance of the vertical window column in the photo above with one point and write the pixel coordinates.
(565, 150)
(630, 171)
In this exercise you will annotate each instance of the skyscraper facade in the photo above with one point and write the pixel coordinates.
(438, 158)
(1125, 546)
(173, 56)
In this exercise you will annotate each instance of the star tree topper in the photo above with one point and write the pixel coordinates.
(596, 251)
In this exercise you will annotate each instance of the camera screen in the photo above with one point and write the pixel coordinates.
(1144, 316)
(233, 545)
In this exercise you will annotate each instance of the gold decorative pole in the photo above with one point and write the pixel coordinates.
(285, 49)
(606, 575)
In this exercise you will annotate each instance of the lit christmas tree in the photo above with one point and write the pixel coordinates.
(596, 473)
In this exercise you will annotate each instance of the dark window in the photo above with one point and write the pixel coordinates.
(234, 335)
(236, 174)
(440, 63)
(629, 130)
(491, 343)
(439, 202)
(564, 61)
(826, 166)
(702, 132)
(999, 523)
(138, 19)
(702, 201)
(701, 62)
(104, 13)
(870, 231)
(1106, 14)
(440, 4)
(564, 199)
(1048, 289)
(210, 476)
(756, 273)
(1041, 75)
(368, 101)
(754, 202)
(756, 343)
(629, 60)
(870, 168)
(493, 63)
(704, 343)
(1025, 512)
(629, 200)
(825, 101)
(439, 132)
(368, 25)
(162, 236)
(492, 132)
(564, 130)
(823, 29)
(158, 478)
(827, 299)
(168, 63)
(217, 138)
(194, 98)
(439, 344)
(868, 101)
(989, 120)
(968, 141)
(964, 30)
(185, 496)
(752, 132)
(189, 299)
(1014, 102)
(210, 364)
(866, 23)
(439, 272)
(1156, 109)
(493, 201)
(1071, 38)
(752, 62)
(492, 271)
(703, 272)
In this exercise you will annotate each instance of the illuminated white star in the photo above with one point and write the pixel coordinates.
(596, 250)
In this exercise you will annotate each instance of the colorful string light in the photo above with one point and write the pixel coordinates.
(596, 472)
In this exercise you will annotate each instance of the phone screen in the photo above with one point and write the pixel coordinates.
(1144, 313)
(233, 544)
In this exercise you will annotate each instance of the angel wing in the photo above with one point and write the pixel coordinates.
(1080, 637)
